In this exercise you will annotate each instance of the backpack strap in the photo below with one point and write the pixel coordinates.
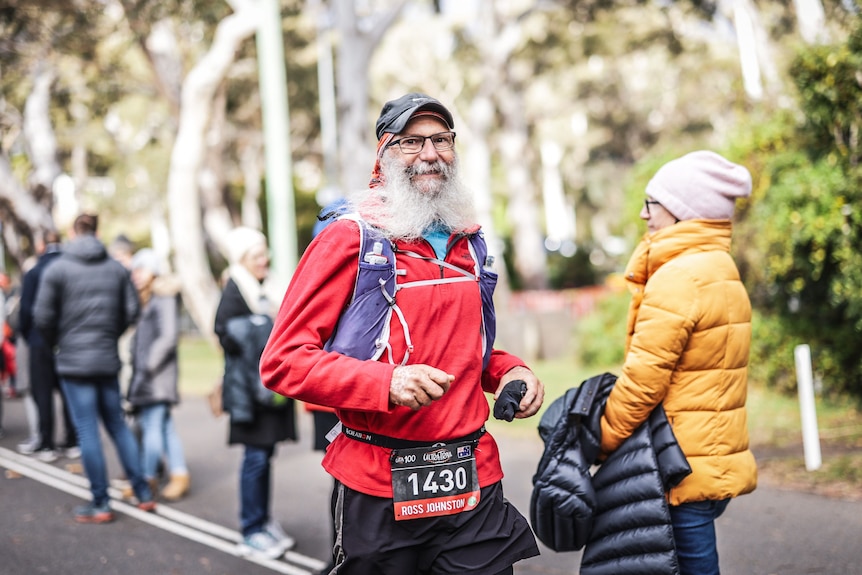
(364, 326)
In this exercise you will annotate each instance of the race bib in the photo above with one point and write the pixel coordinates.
(435, 480)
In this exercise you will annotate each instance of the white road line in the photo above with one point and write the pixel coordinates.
(166, 518)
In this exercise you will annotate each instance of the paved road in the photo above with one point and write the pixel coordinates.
(769, 532)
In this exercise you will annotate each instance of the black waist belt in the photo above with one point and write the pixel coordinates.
(395, 443)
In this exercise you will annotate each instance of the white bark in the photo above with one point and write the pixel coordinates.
(755, 52)
(527, 235)
(200, 293)
(811, 20)
(39, 133)
(250, 155)
(355, 49)
(747, 50)
(22, 203)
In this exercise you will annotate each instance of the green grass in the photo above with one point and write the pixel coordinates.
(773, 419)
(201, 365)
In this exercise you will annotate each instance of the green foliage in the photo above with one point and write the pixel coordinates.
(771, 361)
(802, 232)
(600, 336)
(571, 272)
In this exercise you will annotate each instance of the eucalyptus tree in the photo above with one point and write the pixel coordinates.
(359, 35)
(35, 41)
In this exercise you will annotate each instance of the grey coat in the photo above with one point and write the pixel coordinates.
(155, 369)
(84, 302)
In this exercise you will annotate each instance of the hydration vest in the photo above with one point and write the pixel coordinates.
(364, 326)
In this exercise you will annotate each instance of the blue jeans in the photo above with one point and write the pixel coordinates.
(89, 401)
(254, 488)
(694, 534)
(159, 437)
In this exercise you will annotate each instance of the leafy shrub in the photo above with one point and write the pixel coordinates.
(600, 336)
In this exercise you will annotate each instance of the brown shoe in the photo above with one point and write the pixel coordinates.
(128, 493)
(176, 488)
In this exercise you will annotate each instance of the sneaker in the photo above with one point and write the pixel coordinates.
(73, 452)
(262, 544)
(274, 530)
(148, 506)
(92, 513)
(45, 455)
(29, 447)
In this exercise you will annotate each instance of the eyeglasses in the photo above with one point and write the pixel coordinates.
(414, 144)
(648, 203)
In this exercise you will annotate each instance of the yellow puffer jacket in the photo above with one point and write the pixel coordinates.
(689, 332)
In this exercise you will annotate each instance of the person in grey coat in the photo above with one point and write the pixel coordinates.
(153, 389)
(85, 301)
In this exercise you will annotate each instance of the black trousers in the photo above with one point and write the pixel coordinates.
(43, 383)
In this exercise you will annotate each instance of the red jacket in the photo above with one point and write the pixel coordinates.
(445, 328)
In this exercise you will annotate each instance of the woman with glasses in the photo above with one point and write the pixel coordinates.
(689, 332)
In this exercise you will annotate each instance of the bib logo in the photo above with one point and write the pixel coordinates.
(438, 456)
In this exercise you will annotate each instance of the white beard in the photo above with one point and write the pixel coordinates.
(404, 210)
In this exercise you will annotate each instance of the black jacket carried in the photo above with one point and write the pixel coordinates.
(242, 336)
(84, 303)
(619, 514)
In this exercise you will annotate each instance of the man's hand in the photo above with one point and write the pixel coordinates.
(532, 400)
(418, 385)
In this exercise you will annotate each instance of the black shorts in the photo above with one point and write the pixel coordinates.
(486, 540)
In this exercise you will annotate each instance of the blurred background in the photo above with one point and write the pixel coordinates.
(177, 120)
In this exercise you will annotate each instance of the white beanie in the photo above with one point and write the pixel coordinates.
(147, 259)
(240, 241)
(700, 185)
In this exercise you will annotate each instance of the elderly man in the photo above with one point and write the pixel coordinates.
(389, 320)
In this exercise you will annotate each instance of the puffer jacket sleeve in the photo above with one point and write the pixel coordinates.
(664, 323)
(673, 467)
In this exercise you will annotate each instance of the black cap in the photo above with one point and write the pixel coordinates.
(396, 113)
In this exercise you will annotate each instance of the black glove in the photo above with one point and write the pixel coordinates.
(509, 400)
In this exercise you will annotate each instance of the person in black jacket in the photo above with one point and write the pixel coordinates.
(258, 427)
(42, 371)
(85, 301)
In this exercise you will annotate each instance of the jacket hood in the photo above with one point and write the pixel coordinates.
(86, 248)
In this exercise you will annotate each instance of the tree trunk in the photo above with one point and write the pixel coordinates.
(354, 57)
(200, 292)
(28, 211)
(811, 21)
(527, 234)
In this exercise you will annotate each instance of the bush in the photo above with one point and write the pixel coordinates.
(600, 336)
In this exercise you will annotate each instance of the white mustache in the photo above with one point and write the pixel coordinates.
(421, 168)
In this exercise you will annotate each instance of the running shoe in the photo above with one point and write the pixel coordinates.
(29, 447)
(273, 528)
(262, 544)
(92, 513)
(45, 455)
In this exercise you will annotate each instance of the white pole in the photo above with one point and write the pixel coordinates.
(281, 213)
(805, 386)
